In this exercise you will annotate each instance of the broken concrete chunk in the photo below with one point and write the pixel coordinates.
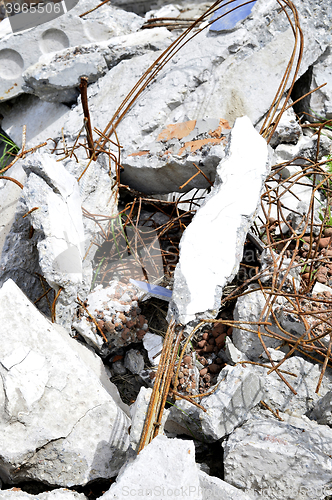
(248, 309)
(317, 105)
(21, 50)
(175, 472)
(322, 411)
(53, 393)
(304, 381)
(214, 488)
(134, 361)
(153, 344)
(208, 262)
(240, 389)
(40, 118)
(59, 494)
(58, 224)
(279, 460)
(167, 164)
(56, 77)
(138, 413)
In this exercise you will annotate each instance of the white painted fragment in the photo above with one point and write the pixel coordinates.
(211, 247)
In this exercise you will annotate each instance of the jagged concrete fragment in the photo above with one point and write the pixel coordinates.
(288, 129)
(153, 344)
(249, 308)
(62, 421)
(304, 381)
(37, 115)
(317, 105)
(116, 308)
(269, 459)
(239, 390)
(211, 76)
(56, 76)
(138, 413)
(322, 411)
(57, 248)
(21, 50)
(208, 262)
(165, 468)
(306, 147)
(9, 196)
(170, 161)
(60, 494)
(214, 488)
(134, 361)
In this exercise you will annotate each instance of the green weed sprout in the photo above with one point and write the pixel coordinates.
(10, 149)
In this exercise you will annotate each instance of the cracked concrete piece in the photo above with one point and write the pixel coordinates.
(138, 412)
(62, 236)
(175, 472)
(304, 382)
(318, 105)
(249, 308)
(322, 411)
(37, 115)
(58, 224)
(270, 459)
(59, 494)
(134, 361)
(186, 88)
(56, 76)
(21, 50)
(58, 406)
(170, 161)
(240, 389)
(214, 488)
(209, 262)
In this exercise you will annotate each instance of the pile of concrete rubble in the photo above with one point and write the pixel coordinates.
(63, 424)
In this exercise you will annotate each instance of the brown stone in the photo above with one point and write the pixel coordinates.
(130, 324)
(187, 360)
(328, 232)
(324, 242)
(230, 330)
(201, 344)
(140, 334)
(141, 320)
(211, 341)
(208, 348)
(110, 327)
(205, 336)
(125, 334)
(214, 368)
(203, 372)
(220, 341)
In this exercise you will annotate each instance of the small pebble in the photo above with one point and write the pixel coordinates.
(324, 242)
(214, 368)
(203, 372)
(201, 344)
(187, 360)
